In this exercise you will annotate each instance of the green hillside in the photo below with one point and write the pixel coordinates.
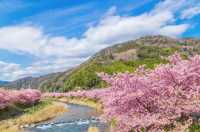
(120, 58)
(127, 56)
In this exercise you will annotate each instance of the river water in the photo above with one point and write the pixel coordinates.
(78, 119)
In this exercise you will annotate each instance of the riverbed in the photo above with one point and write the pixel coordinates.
(78, 119)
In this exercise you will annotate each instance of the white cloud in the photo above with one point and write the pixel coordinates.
(191, 12)
(22, 39)
(8, 70)
(171, 5)
(111, 11)
(59, 53)
(116, 29)
(174, 30)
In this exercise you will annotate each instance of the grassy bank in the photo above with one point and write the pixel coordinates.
(80, 101)
(93, 129)
(29, 115)
(87, 102)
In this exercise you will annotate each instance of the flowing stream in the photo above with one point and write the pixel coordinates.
(78, 119)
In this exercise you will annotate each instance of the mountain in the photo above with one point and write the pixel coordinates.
(127, 56)
(2, 83)
(36, 82)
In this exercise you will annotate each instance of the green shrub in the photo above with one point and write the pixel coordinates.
(194, 128)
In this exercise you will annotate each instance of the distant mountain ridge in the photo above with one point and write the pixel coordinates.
(121, 57)
(34, 82)
(3, 82)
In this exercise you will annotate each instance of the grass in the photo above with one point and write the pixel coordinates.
(194, 128)
(41, 112)
(113, 124)
(10, 112)
(93, 129)
(17, 110)
(79, 101)
(87, 102)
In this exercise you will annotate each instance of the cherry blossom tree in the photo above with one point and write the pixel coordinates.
(26, 96)
(149, 99)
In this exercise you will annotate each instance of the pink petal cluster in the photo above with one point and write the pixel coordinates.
(5, 98)
(149, 99)
(26, 96)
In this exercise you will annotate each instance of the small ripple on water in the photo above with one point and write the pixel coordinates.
(81, 122)
(43, 127)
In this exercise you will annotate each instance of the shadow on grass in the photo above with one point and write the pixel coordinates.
(19, 109)
(10, 112)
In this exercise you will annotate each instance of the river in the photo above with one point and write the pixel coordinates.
(78, 119)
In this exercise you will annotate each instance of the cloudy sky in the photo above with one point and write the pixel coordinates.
(43, 36)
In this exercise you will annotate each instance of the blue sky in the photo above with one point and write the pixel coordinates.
(44, 36)
(70, 18)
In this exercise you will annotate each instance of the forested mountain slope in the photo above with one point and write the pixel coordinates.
(149, 50)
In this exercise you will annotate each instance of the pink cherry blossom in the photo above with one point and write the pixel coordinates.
(148, 99)
(26, 96)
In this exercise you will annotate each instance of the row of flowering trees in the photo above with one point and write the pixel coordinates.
(149, 99)
(26, 97)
